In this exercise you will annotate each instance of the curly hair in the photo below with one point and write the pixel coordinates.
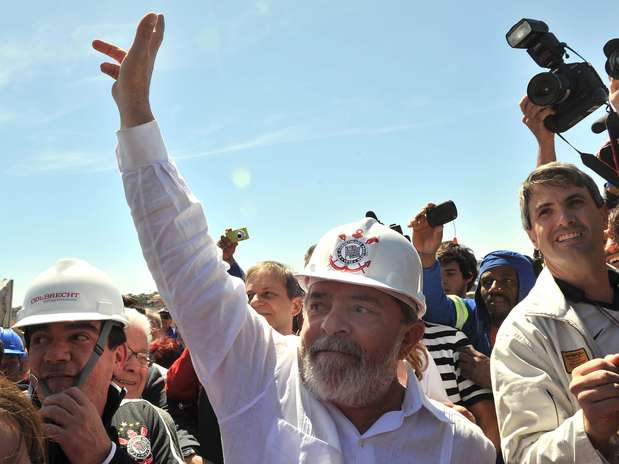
(19, 418)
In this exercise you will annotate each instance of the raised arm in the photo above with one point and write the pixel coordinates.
(230, 344)
(533, 117)
(427, 240)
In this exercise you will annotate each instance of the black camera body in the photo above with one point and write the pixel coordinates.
(573, 90)
(611, 50)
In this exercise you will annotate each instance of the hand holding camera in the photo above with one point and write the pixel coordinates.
(573, 90)
(533, 116)
(230, 240)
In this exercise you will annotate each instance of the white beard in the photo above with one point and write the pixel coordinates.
(349, 380)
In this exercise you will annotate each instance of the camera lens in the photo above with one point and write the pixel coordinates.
(548, 88)
(612, 65)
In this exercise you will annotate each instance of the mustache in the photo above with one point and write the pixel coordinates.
(337, 344)
(56, 372)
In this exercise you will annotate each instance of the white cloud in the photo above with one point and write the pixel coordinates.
(58, 162)
(298, 134)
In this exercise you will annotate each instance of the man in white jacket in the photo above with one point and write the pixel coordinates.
(330, 395)
(555, 362)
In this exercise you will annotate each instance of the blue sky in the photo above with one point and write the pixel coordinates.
(286, 117)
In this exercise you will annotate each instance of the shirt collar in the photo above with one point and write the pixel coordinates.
(577, 295)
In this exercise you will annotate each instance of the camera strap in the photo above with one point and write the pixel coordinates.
(607, 170)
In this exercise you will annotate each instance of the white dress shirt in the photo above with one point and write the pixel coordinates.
(250, 371)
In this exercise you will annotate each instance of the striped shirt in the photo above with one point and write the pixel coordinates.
(442, 343)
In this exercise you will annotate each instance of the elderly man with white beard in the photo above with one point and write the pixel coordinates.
(328, 396)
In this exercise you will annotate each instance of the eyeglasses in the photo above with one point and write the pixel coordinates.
(143, 358)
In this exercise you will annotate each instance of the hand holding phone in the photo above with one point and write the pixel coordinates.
(441, 214)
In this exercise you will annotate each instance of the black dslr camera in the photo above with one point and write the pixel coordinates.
(611, 50)
(573, 90)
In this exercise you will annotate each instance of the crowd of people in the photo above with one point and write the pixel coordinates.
(382, 349)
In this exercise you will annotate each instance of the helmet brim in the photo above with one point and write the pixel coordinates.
(39, 319)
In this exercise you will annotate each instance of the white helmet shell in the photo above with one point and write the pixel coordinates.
(370, 254)
(71, 290)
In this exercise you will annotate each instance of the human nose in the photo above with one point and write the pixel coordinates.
(494, 287)
(255, 301)
(132, 364)
(335, 322)
(57, 352)
(566, 216)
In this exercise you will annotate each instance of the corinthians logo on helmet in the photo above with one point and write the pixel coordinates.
(352, 255)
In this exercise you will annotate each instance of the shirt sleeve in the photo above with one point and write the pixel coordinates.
(230, 344)
(440, 309)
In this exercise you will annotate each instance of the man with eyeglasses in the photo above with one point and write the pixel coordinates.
(73, 320)
(144, 380)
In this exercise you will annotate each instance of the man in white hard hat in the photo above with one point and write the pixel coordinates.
(73, 320)
(330, 395)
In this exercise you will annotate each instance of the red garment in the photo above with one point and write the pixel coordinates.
(182, 383)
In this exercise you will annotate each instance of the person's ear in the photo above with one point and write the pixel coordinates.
(120, 357)
(533, 237)
(297, 305)
(412, 335)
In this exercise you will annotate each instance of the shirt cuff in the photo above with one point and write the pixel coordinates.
(140, 146)
(110, 456)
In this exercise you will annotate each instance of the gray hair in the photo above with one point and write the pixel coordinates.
(139, 321)
(556, 174)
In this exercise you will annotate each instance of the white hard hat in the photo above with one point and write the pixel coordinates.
(71, 290)
(370, 254)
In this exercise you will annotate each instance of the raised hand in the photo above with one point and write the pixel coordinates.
(133, 69)
(426, 239)
(596, 387)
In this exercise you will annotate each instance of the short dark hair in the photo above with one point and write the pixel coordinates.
(556, 174)
(116, 338)
(293, 289)
(449, 252)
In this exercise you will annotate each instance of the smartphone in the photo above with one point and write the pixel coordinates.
(442, 214)
(237, 235)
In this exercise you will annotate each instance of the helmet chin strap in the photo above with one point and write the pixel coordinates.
(96, 353)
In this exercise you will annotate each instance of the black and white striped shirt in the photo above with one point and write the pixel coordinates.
(442, 343)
